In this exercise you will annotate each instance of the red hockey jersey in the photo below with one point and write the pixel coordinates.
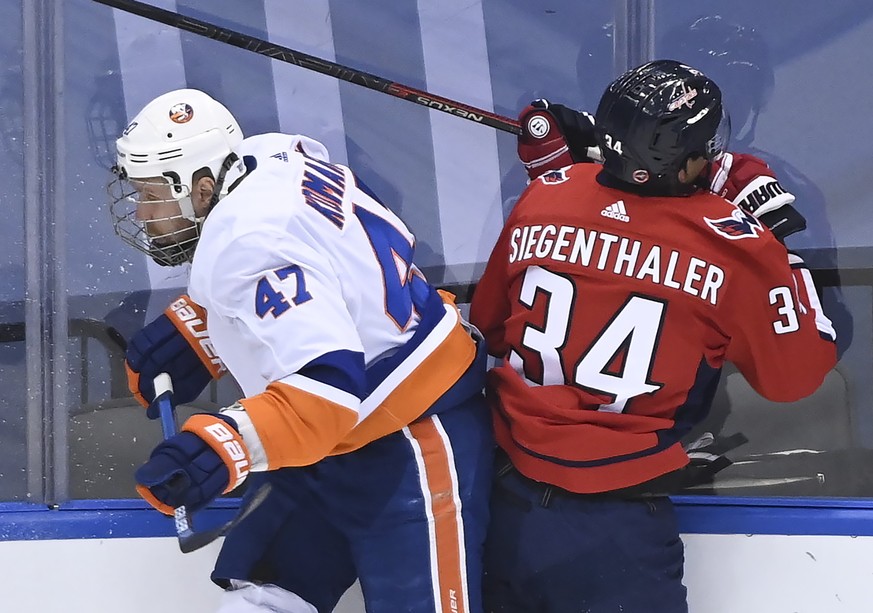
(613, 314)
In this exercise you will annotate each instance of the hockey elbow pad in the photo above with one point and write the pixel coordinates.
(178, 344)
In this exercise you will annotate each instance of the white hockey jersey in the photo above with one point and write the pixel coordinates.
(316, 309)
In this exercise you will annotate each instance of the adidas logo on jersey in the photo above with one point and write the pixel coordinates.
(617, 211)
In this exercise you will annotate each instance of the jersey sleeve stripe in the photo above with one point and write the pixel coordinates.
(431, 312)
(402, 371)
(342, 370)
(805, 288)
(416, 384)
(298, 427)
(318, 388)
(824, 325)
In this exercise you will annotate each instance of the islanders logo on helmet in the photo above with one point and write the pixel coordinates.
(181, 112)
(739, 225)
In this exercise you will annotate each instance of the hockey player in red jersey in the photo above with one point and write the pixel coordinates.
(613, 297)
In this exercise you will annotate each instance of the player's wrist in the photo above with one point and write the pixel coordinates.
(249, 433)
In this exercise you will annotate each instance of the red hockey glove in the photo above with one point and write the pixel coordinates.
(748, 182)
(554, 136)
(178, 344)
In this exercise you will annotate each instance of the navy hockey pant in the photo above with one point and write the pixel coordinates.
(406, 515)
(549, 551)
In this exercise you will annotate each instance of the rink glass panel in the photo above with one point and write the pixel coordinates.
(16, 482)
(69, 429)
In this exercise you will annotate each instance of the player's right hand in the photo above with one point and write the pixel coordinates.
(176, 343)
(554, 136)
(192, 468)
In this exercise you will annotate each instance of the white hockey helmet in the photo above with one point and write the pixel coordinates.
(174, 136)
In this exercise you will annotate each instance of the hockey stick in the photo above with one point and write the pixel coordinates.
(189, 539)
(755, 482)
(164, 401)
(310, 62)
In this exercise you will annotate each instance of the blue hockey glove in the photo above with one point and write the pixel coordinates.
(206, 459)
(178, 344)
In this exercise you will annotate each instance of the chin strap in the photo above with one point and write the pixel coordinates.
(226, 165)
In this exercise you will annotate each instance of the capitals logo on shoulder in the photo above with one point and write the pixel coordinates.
(739, 225)
(554, 176)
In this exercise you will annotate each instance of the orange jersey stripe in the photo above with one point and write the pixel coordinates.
(442, 501)
(297, 428)
(417, 392)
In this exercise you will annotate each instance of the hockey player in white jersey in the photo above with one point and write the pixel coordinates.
(363, 405)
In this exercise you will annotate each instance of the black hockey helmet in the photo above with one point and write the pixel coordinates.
(653, 118)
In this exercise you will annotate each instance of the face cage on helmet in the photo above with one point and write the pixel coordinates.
(718, 144)
(169, 249)
(103, 127)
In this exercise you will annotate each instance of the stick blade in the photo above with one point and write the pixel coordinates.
(192, 541)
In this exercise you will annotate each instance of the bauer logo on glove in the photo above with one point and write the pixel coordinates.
(194, 320)
(178, 344)
(192, 468)
(227, 444)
